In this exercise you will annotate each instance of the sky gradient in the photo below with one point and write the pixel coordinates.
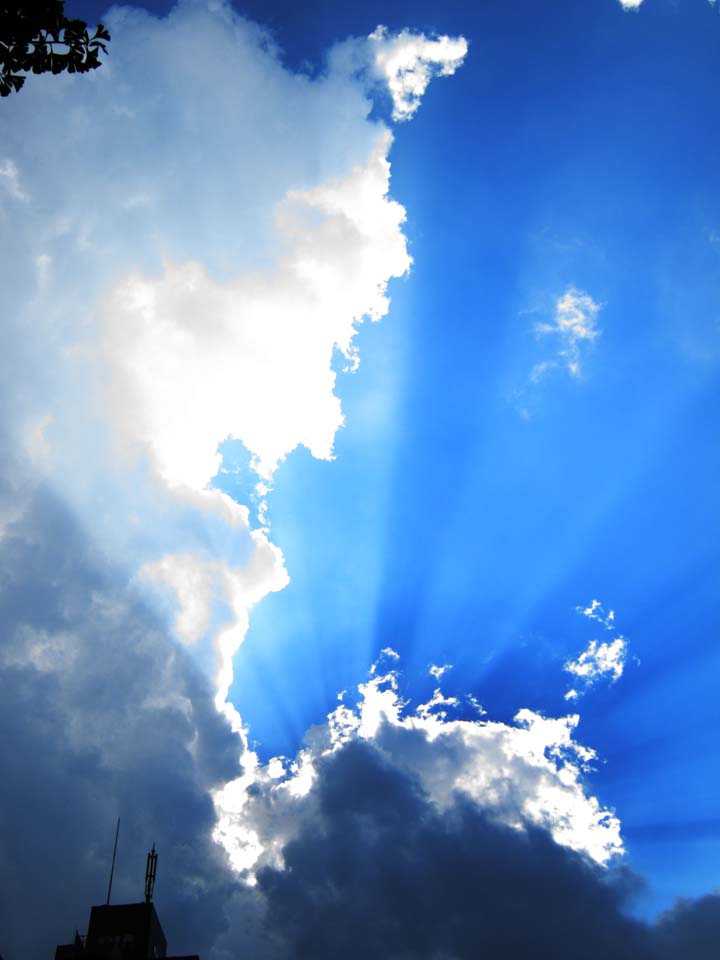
(358, 502)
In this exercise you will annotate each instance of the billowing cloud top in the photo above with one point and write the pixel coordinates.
(195, 360)
(403, 833)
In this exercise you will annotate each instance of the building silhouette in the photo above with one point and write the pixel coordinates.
(124, 931)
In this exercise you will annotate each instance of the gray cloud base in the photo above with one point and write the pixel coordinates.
(101, 715)
(381, 872)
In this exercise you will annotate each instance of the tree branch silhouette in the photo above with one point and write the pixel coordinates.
(37, 37)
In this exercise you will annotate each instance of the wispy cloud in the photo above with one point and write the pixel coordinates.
(10, 179)
(570, 333)
(437, 671)
(574, 329)
(596, 611)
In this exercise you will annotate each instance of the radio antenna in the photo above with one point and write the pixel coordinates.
(150, 874)
(112, 866)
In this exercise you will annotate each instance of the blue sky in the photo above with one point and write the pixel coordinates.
(532, 425)
(578, 152)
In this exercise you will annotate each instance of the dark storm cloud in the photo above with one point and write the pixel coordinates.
(101, 715)
(380, 871)
(691, 929)
(383, 873)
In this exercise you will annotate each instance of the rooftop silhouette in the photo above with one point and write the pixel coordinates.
(125, 931)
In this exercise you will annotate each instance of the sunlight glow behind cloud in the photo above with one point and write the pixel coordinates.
(531, 771)
(195, 362)
(211, 298)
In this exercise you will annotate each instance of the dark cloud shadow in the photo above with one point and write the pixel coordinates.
(102, 715)
(381, 872)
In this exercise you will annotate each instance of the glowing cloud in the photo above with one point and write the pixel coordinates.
(195, 361)
(529, 772)
(204, 295)
(201, 586)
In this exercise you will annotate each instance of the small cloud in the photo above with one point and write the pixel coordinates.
(408, 61)
(404, 62)
(540, 369)
(387, 653)
(598, 660)
(633, 4)
(10, 180)
(436, 705)
(437, 672)
(475, 704)
(574, 324)
(573, 329)
(596, 612)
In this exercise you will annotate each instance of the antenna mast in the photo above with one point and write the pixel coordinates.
(150, 874)
(112, 867)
